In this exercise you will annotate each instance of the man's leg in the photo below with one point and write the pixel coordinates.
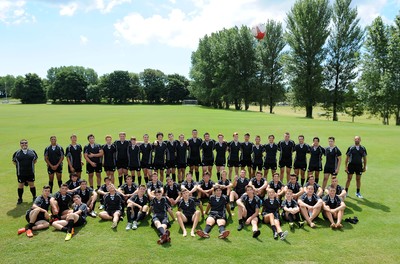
(20, 192)
(288, 170)
(51, 181)
(59, 178)
(349, 178)
(98, 176)
(282, 172)
(195, 220)
(325, 182)
(181, 220)
(90, 175)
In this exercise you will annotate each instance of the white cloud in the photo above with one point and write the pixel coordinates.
(69, 9)
(368, 10)
(14, 12)
(106, 6)
(83, 39)
(180, 29)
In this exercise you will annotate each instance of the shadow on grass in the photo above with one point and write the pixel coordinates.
(352, 205)
(374, 205)
(19, 210)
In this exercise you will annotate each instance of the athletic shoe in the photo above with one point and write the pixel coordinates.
(291, 224)
(101, 207)
(301, 224)
(359, 195)
(284, 235)
(275, 235)
(68, 237)
(19, 201)
(232, 207)
(93, 214)
(21, 230)
(114, 225)
(128, 226)
(134, 225)
(256, 233)
(202, 234)
(168, 234)
(29, 233)
(240, 226)
(224, 234)
(163, 239)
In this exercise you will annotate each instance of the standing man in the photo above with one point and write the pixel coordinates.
(257, 156)
(207, 159)
(333, 161)
(220, 158)
(315, 165)
(194, 154)
(181, 157)
(356, 162)
(24, 161)
(233, 157)
(122, 146)
(245, 154)
(93, 154)
(271, 148)
(170, 164)
(160, 151)
(300, 160)
(147, 157)
(109, 152)
(74, 157)
(53, 156)
(286, 148)
(134, 160)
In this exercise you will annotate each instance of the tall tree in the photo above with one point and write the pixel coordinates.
(153, 83)
(307, 30)
(271, 65)
(176, 88)
(7, 84)
(32, 91)
(69, 86)
(393, 79)
(343, 48)
(374, 68)
(353, 103)
(117, 87)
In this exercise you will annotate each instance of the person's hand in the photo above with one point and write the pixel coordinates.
(248, 221)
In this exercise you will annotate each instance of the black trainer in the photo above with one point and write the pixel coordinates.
(19, 201)
(275, 235)
(240, 226)
(256, 233)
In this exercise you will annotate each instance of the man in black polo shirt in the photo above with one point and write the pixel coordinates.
(286, 148)
(54, 156)
(270, 162)
(170, 163)
(315, 164)
(160, 151)
(24, 161)
(121, 146)
(234, 157)
(93, 154)
(137, 208)
(60, 203)
(238, 187)
(146, 149)
(333, 161)
(300, 160)
(172, 191)
(88, 197)
(310, 205)
(113, 206)
(245, 154)
(333, 208)
(194, 160)
(220, 154)
(207, 148)
(187, 213)
(181, 157)
(248, 209)
(134, 160)
(160, 207)
(154, 184)
(217, 208)
(109, 156)
(74, 156)
(257, 156)
(356, 162)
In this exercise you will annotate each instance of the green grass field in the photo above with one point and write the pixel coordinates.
(374, 239)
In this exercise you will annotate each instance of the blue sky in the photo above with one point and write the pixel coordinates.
(131, 35)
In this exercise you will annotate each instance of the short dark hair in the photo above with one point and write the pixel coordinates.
(159, 134)
(332, 138)
(316, 138)
(89, 136)
(247, 134)
(158, 190)
(46, 187)
(64, 185)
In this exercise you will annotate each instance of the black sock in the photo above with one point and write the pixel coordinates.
(221, 229)
(64, 229)
(139, 180)
(20, 193)
(140, 216)
(94, 205)
(316, 180)
(358, 190)
(241, 221)
(273, 228)
(31, 225)
(197, 176)
(174, 176)
(51, 186)
(302, 182)
(161, 230)
(290, 216)
(207, 229)
(70, 225)
(98, 187)
(129, 214)
(120, 180)
(146, 179)
(218, 175)
(91, 186)
(347, 190)
(59, 183)
(33, 191)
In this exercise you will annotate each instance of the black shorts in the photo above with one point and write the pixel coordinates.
(170, 164)
(258, 167)
(181, 165)
(195, 161)
(58, 170)
(162, 219)
(76, 168)
(276, 215)
(270, 165)
(249, 215)
(90, 169)
(300, 165)
(246, 163)
(233, 163)
(112, 212)
(314, 168)
(26, 178)
(81, 221)
(285, 163)
(207, 163)
(189, 218)
(353, 168)
(40, 216)
(220, 163)
(159, 166)
(122, 164)
(217, 215)
(145, 165)
(109, 168)
(134, 168)
(329, 170)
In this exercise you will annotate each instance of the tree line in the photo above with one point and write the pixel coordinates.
(323, 57)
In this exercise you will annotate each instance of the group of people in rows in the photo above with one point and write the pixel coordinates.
(253, 195)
